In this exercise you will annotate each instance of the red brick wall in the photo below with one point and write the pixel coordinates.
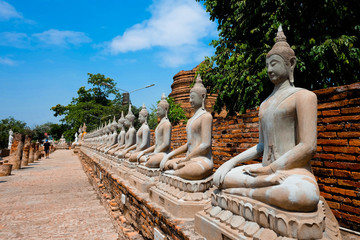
(336, 164)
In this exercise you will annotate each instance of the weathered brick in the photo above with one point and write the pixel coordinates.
(323, 171)
(355, 175)
(341, 149)
(335, 127)
(343, 165)
(354, 142)
(332, 142)
(341, 191)
(321, 128)
(342, 173)
(327, 134)
(331, 112)
(324, 156)
(350, 110)
(341, 119)
(352, 126)
(351, 209)
(327, 180)
(336, 104)
(335, 205)
(345, 157)
(349, 134)
(348, 183)
(355, 101)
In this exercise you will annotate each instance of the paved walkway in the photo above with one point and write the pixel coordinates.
(52, 199)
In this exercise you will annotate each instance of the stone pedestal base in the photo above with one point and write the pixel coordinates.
(181, 198)
(233, 217)
(126, 169)
(144, 178)
(5, 169)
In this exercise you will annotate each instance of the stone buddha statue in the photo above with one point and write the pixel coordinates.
(130, 136)
(11, 137)
(121, 135)
(113, 137)
(142, 137)
(105, 137)
(287, 142)
(153, 155)
(198, 163)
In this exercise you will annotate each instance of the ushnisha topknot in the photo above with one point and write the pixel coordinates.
(144, 112)
(163, 102)
(130, 116)
(199, 86)
(121, 119)
(281, 47)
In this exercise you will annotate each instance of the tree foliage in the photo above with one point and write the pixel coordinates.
(324, 35)
(15, 125)
(53, 129)
(93, 106)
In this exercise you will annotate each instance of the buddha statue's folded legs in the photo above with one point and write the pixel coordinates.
(296, 188)
(195, 169)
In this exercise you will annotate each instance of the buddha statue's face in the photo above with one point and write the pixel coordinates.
(127, 122)
(142, 118)
(195, 100)
(161, 112)
(278, 71)
(120, 124)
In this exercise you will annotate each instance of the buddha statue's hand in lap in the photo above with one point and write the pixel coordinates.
(197, 164)
(287, 142)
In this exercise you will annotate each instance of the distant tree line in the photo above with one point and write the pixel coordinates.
(37, 133)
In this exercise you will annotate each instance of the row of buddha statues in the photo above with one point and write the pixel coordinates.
(287, 141)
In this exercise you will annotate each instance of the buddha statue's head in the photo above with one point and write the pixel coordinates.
(163, 107)
(143, 114)
(121, 120)
(129, 118)
(281, 60)
(198, 94)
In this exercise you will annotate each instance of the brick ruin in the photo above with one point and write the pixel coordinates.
(181, 88)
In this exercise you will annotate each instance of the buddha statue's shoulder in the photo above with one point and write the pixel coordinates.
(207, 115)
(303, 94)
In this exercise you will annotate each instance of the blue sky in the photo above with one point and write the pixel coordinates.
(47, 47)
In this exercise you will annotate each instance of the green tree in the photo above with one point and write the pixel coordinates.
(15, 125)
(93, 106)
(53, 129)
(324, 35)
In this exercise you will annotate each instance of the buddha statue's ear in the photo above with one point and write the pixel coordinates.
(292, 67)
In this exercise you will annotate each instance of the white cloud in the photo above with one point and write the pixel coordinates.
(7, 61)
(7, 11)
(62, 38)
(178, 56)
(176, 26)
(14, 39)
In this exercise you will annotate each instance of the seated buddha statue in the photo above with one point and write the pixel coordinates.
(121, 135)
(142, 137)
(287, 142)
(104, 137)
(130, 136)
(197, 163)
(153, 155)
(112, 137)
